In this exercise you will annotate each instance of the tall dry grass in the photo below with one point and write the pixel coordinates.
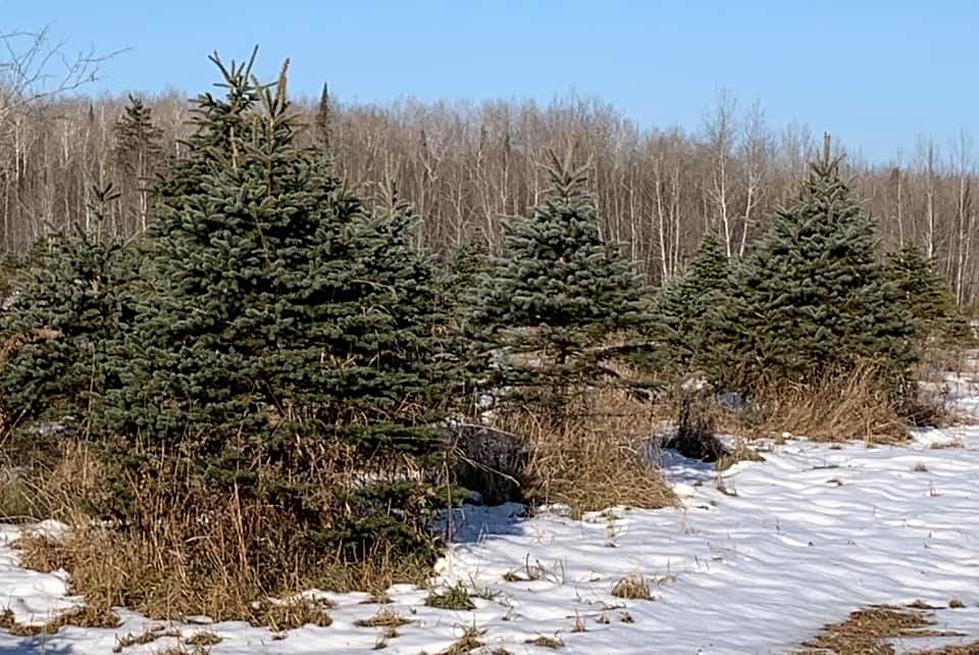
(590, 455)
(841, 405)
(187, 549)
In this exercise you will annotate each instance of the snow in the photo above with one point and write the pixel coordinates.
(754, 564)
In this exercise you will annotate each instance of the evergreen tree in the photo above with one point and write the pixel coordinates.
(138, 152)
(285, 321)
(926, 296)
(558, 290)
(682, 331)
(69, 302)
(811, 293)
(462, 271)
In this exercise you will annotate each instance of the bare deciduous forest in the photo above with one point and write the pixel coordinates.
(465, 166)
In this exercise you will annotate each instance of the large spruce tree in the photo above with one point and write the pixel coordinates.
(558, 290)
(286, 324)
(811, 294)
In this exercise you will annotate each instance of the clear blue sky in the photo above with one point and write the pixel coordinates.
(876, 73)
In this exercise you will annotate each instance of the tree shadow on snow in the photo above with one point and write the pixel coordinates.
(31, 646)
(473, 523)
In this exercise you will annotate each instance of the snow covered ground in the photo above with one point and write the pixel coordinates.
(755, 564)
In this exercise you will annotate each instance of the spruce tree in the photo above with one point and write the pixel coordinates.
(811, 294)
(138, 153)
(926, 296)
(682, 330)
(558, 290)
(69, 303)
(284, 322)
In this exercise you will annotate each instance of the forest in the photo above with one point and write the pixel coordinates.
(466, 166)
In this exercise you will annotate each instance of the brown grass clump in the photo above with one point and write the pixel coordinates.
(203, 638)
(866, 631)
(147, 636)
(469, 641)
(589, 457)
(86, 616)
(546, 642)
(282, 616)
(841, 406)
(633, 587)
(383, 619)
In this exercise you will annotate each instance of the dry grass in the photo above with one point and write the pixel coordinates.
(962, 649)
(469, 641)
(86, 616)
(953, 443)
(633, 587)
(49, 488)
(546, 642)
(590, 457)
(147, 636)
(282, 616)
(209, 555)
(383, 619)
(203, 638)
(851, 405)
(867, 631)
(453, 598)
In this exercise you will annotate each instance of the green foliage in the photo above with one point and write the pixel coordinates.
(559, 290)
(284, 329)
(811, 294)
(463, 270)
(682, 333)
(69, 301)
(453, 598)
(137, 145)
(926, 296)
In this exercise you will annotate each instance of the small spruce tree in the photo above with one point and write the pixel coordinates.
(69, 302)
(683, 306)
(138, 154)
(558, 290)
(926, 296)
(811, 294)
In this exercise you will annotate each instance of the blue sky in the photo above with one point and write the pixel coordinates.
(875, 73)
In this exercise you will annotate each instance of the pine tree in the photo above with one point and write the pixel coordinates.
(285, 322)
(682, 331)
(926, 296)
(558, 290)
(811, 294)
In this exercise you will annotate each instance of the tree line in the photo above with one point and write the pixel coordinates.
(466, 167)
